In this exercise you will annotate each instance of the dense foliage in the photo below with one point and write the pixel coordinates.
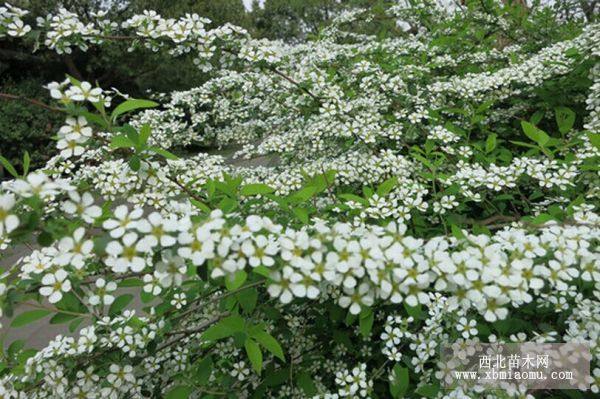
(428, 187)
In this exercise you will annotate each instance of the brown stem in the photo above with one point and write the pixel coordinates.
(32, 101)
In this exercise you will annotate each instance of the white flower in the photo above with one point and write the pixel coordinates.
(124, 220)
(120, 375)
(8, 222)
(71, 147)
(85, 92)
(171, 270)
(36, 183)
(17, 28)
(197, 246)
(74, 250)
(280, 287)
(355, 298)
(102, 292)
(54, 285)
(240, 371)
(127, 255)
(467, 327)
(260, 251)
(76, 129)
(179, 300)
(157, 229)
(82, 206)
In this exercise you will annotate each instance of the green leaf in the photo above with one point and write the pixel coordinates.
(457, 232)
(537, 117)
(135, 163)
(61, 318)
(305, 382)
(203, 370)
(490, 143)
(254, 354)
(8, 166)
(179, 392)
(387, 186)
(200, 205)
(74, 324)
(224, 328)
(94, 118)
(269, 343)
(256, 189)
(26, 163)
(428, 391)
(594, 139)
(301, 214)
(164, 153)
(535, 134)
(228, 204)
(119, 304)
(131, 105)
(121, 141)
(145, 132)
(303, 195)
(565, 119)
(29, 317)
(247, 299)
(353, 197)
(45, 238)
(366, 322)
(399, 382)
(235, 281)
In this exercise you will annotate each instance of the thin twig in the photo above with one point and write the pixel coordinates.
(32, 101)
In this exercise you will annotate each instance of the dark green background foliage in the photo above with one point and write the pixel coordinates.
(25, 127)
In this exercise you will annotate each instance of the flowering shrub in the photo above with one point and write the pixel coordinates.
(425, 190)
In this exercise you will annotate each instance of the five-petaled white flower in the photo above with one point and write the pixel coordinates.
(54, 285)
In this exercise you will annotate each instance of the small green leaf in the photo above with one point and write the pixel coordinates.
(179, 392)
(119, 304)
(254, 354)
(131, 105)
(247, 299)
(145, 132)
(61, 318)
(428, 391)
(387, 186)
(269, 343)
(45, 239)
(121, 141)
(224, 328)
(305, 382)
(594, 139)
(303, 195)
(301, 214)
(203, 370)
(535, 134)
(26, 163)
(490, 143)
(366, 321)
(256, 189)
(135, 163)
(200, 205)
(457, 232)
(565, 119)
(164, 153)
(29, 317)
(8, 166)
(399, 382)
(235, 281)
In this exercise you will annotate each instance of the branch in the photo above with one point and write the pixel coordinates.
(37, 103)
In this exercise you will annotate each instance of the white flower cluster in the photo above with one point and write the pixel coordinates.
(11, 22)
